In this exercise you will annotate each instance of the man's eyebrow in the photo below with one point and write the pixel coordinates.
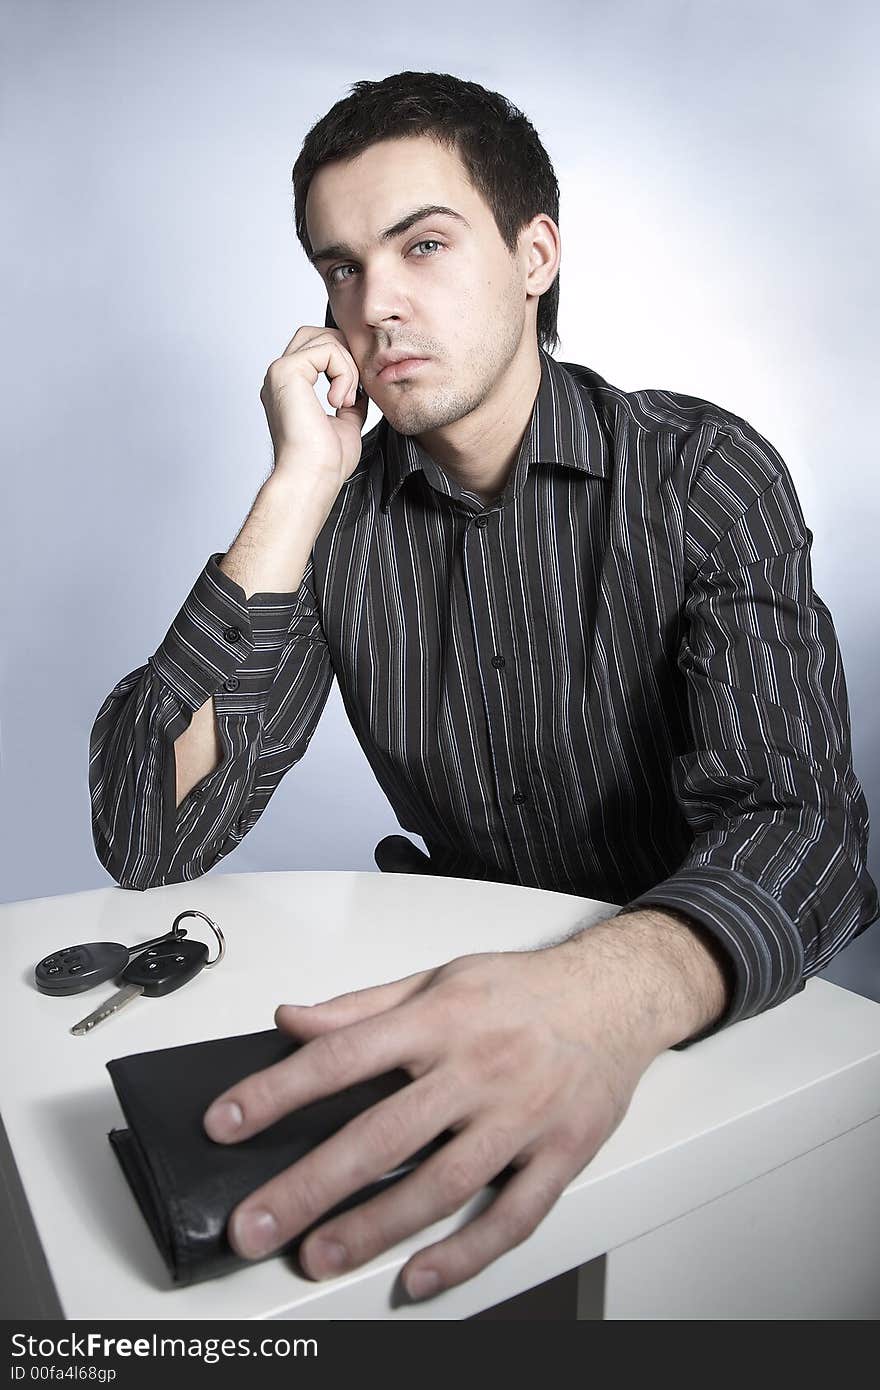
(329, 253)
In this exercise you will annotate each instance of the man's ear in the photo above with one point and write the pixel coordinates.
(545, 252)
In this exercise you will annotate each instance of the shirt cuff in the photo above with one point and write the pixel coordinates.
(758, 939)
(222, 641)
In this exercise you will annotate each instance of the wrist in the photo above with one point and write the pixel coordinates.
(271, 551)
(290, 487)
(300, 465)
(665, 976)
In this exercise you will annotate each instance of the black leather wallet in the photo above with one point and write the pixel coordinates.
(186, 1185)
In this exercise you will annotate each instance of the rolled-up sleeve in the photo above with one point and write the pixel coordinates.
(776, 872)
(265, 663)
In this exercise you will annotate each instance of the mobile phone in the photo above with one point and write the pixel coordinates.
(330, 322)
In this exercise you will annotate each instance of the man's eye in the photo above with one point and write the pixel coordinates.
(426, 243)
(334, 277)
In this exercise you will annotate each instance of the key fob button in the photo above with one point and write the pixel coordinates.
(75, 969)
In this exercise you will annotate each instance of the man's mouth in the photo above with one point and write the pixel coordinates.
(406, 367)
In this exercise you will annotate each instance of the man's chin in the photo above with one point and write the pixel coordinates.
(417, 413)
(411, 418)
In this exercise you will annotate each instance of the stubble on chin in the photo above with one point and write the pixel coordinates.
(420, 412)
(416, 409)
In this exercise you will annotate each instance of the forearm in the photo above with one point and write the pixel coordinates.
(197, 751)
(668, 976)
(220, 654)
(269, 555)
(270, 552)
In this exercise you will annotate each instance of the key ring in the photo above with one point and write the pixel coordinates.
(221, 943)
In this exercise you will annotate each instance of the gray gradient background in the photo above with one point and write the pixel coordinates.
(719, 218)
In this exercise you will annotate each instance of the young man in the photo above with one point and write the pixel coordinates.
(575, 632)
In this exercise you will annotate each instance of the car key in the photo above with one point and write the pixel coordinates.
(74, 969)
(153, 973)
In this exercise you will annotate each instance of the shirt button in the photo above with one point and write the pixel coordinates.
(519, 799)
(498, 662)
(481, 521)
(232, 634)
(232, 683)
(197, 794)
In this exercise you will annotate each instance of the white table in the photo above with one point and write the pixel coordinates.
(744, 1181)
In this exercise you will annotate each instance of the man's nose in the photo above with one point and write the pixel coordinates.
(383, 300)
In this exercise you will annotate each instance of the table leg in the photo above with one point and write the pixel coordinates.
(26, 1287)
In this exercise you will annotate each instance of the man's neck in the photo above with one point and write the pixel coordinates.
(479, 451)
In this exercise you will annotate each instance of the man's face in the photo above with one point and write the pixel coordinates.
(444, 289)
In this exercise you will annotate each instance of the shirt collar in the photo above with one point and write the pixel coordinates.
(563, 429)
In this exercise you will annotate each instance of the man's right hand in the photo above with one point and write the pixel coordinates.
(314, 455)
(305, 437)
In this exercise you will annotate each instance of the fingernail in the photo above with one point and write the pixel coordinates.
(327, 1257)
(222, 1121)
(255, 1232)
(422, 1283)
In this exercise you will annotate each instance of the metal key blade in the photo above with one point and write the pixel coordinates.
(110, 1006)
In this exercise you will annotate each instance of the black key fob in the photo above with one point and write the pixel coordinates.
(166, 967)
(76, 968)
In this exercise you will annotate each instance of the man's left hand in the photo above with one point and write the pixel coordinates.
(530, 1059)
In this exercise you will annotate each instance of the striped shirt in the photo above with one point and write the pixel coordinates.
(615, 680)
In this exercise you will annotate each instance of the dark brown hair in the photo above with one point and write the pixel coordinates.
(498, 146)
